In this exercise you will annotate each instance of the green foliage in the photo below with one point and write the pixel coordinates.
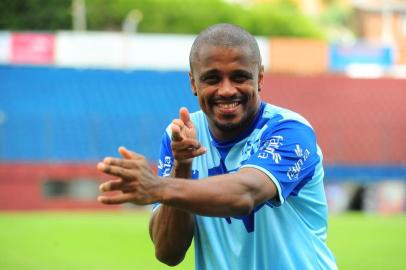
(336, 15)
(280, 18)
(283, 21)
(35, 15)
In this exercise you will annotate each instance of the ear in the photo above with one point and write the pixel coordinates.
(192, 83)
(261, 78)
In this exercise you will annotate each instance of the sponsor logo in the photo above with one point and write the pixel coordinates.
(275, 141)
(165, 166)
(160, 165)
(294, 171)
(268, 149)
(298, 151)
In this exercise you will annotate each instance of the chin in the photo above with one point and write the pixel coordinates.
(228, 127)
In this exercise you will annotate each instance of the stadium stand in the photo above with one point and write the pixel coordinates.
(56, 123)
(83, 115)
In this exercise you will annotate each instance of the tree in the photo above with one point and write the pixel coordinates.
(280, 18)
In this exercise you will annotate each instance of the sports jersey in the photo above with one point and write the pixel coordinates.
(287, 232)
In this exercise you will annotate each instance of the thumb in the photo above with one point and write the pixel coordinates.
(185, 117)
(127, 154)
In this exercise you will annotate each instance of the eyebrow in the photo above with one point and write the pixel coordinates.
(209, 73)
(234, 72)
(243, 72)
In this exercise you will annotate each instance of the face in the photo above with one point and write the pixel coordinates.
(226, 81)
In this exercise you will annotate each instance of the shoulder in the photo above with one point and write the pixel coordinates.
(276, 116)
(287, 126)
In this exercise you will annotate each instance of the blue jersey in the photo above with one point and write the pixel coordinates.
(287, 232)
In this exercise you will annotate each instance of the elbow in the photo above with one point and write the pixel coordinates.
(244, 206)
(169, 258)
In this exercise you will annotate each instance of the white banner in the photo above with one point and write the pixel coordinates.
(135, 51)
(89, 49)
(264, 49)
(167, 52)
(5, 48)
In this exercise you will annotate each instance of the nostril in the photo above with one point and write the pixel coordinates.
(227, 90)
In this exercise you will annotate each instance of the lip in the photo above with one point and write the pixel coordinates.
(227, 108)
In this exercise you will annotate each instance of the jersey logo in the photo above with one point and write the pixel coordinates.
(165, 166)
(269, 147)
(294, 171)
(298, 151)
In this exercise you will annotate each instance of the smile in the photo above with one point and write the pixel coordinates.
(228, 105)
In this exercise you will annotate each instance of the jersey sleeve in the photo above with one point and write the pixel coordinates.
(165, 161)
(287, 153)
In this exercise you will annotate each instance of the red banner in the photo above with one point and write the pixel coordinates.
(32, 48)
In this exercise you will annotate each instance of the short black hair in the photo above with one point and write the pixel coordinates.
(225, 35)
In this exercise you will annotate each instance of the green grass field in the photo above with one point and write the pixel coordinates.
(86, 241)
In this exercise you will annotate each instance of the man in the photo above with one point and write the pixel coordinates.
(259, 200)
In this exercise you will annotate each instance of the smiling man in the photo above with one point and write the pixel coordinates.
(242, 177)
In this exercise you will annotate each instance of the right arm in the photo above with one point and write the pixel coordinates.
(171, 229)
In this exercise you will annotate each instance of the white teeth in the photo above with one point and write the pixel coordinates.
(228, 105)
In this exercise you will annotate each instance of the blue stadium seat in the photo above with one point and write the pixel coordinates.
(62, 114)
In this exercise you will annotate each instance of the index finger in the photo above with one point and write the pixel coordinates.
(176, 133)
(127, 154)
(185, 116)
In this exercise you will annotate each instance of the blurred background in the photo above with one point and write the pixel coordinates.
(79, 78)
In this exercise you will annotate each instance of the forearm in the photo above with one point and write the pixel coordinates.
(172, 229)
(224, 195)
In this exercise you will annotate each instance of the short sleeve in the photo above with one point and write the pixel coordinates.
(165, 161)
(287, 153)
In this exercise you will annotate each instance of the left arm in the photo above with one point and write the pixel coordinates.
(223, 195)
(232, 194)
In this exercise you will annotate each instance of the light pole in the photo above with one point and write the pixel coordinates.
(79, 15)
(131, 21)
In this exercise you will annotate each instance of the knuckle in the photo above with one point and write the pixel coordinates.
(107, 187)
(117, 162)
(107, 169)
(129, 164)
(107, 200)
(127, 189)
(136, 166)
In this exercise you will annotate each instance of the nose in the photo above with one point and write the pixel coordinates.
(226, 89)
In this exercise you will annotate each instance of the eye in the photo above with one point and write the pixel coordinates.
(240, 78)
(211, 79)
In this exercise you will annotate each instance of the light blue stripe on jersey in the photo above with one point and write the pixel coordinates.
(288, 232)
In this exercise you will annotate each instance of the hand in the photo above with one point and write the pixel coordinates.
(184, 144)
(136, 183)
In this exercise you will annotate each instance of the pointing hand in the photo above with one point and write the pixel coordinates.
(184, 144)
